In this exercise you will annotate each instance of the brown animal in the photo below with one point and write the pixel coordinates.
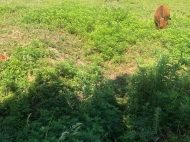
(4, 56)
(161, 17)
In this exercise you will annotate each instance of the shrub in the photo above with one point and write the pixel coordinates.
(159, 103)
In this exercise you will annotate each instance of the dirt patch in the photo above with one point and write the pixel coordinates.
(112, 71)
(64, 46)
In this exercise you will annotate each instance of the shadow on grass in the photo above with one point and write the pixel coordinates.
(53, 110)
(64, 106)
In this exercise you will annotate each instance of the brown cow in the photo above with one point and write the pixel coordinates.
(161, 17)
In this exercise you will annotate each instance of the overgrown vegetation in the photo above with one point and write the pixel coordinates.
(53, 88)
(159, 103)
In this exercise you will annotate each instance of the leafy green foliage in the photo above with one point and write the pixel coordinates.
(51, 106)
(65, 103)
(159, 103)
(6, 9)
(108, 30)
(43, 99)
(14, 72)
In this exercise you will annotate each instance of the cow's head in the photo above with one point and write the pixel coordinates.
(163, 23)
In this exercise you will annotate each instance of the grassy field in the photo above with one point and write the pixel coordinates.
(94, 70)
(116, 32)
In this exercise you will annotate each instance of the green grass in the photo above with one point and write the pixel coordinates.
(108, 32)
(93, 71)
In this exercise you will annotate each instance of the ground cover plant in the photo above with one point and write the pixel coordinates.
(93, 71)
